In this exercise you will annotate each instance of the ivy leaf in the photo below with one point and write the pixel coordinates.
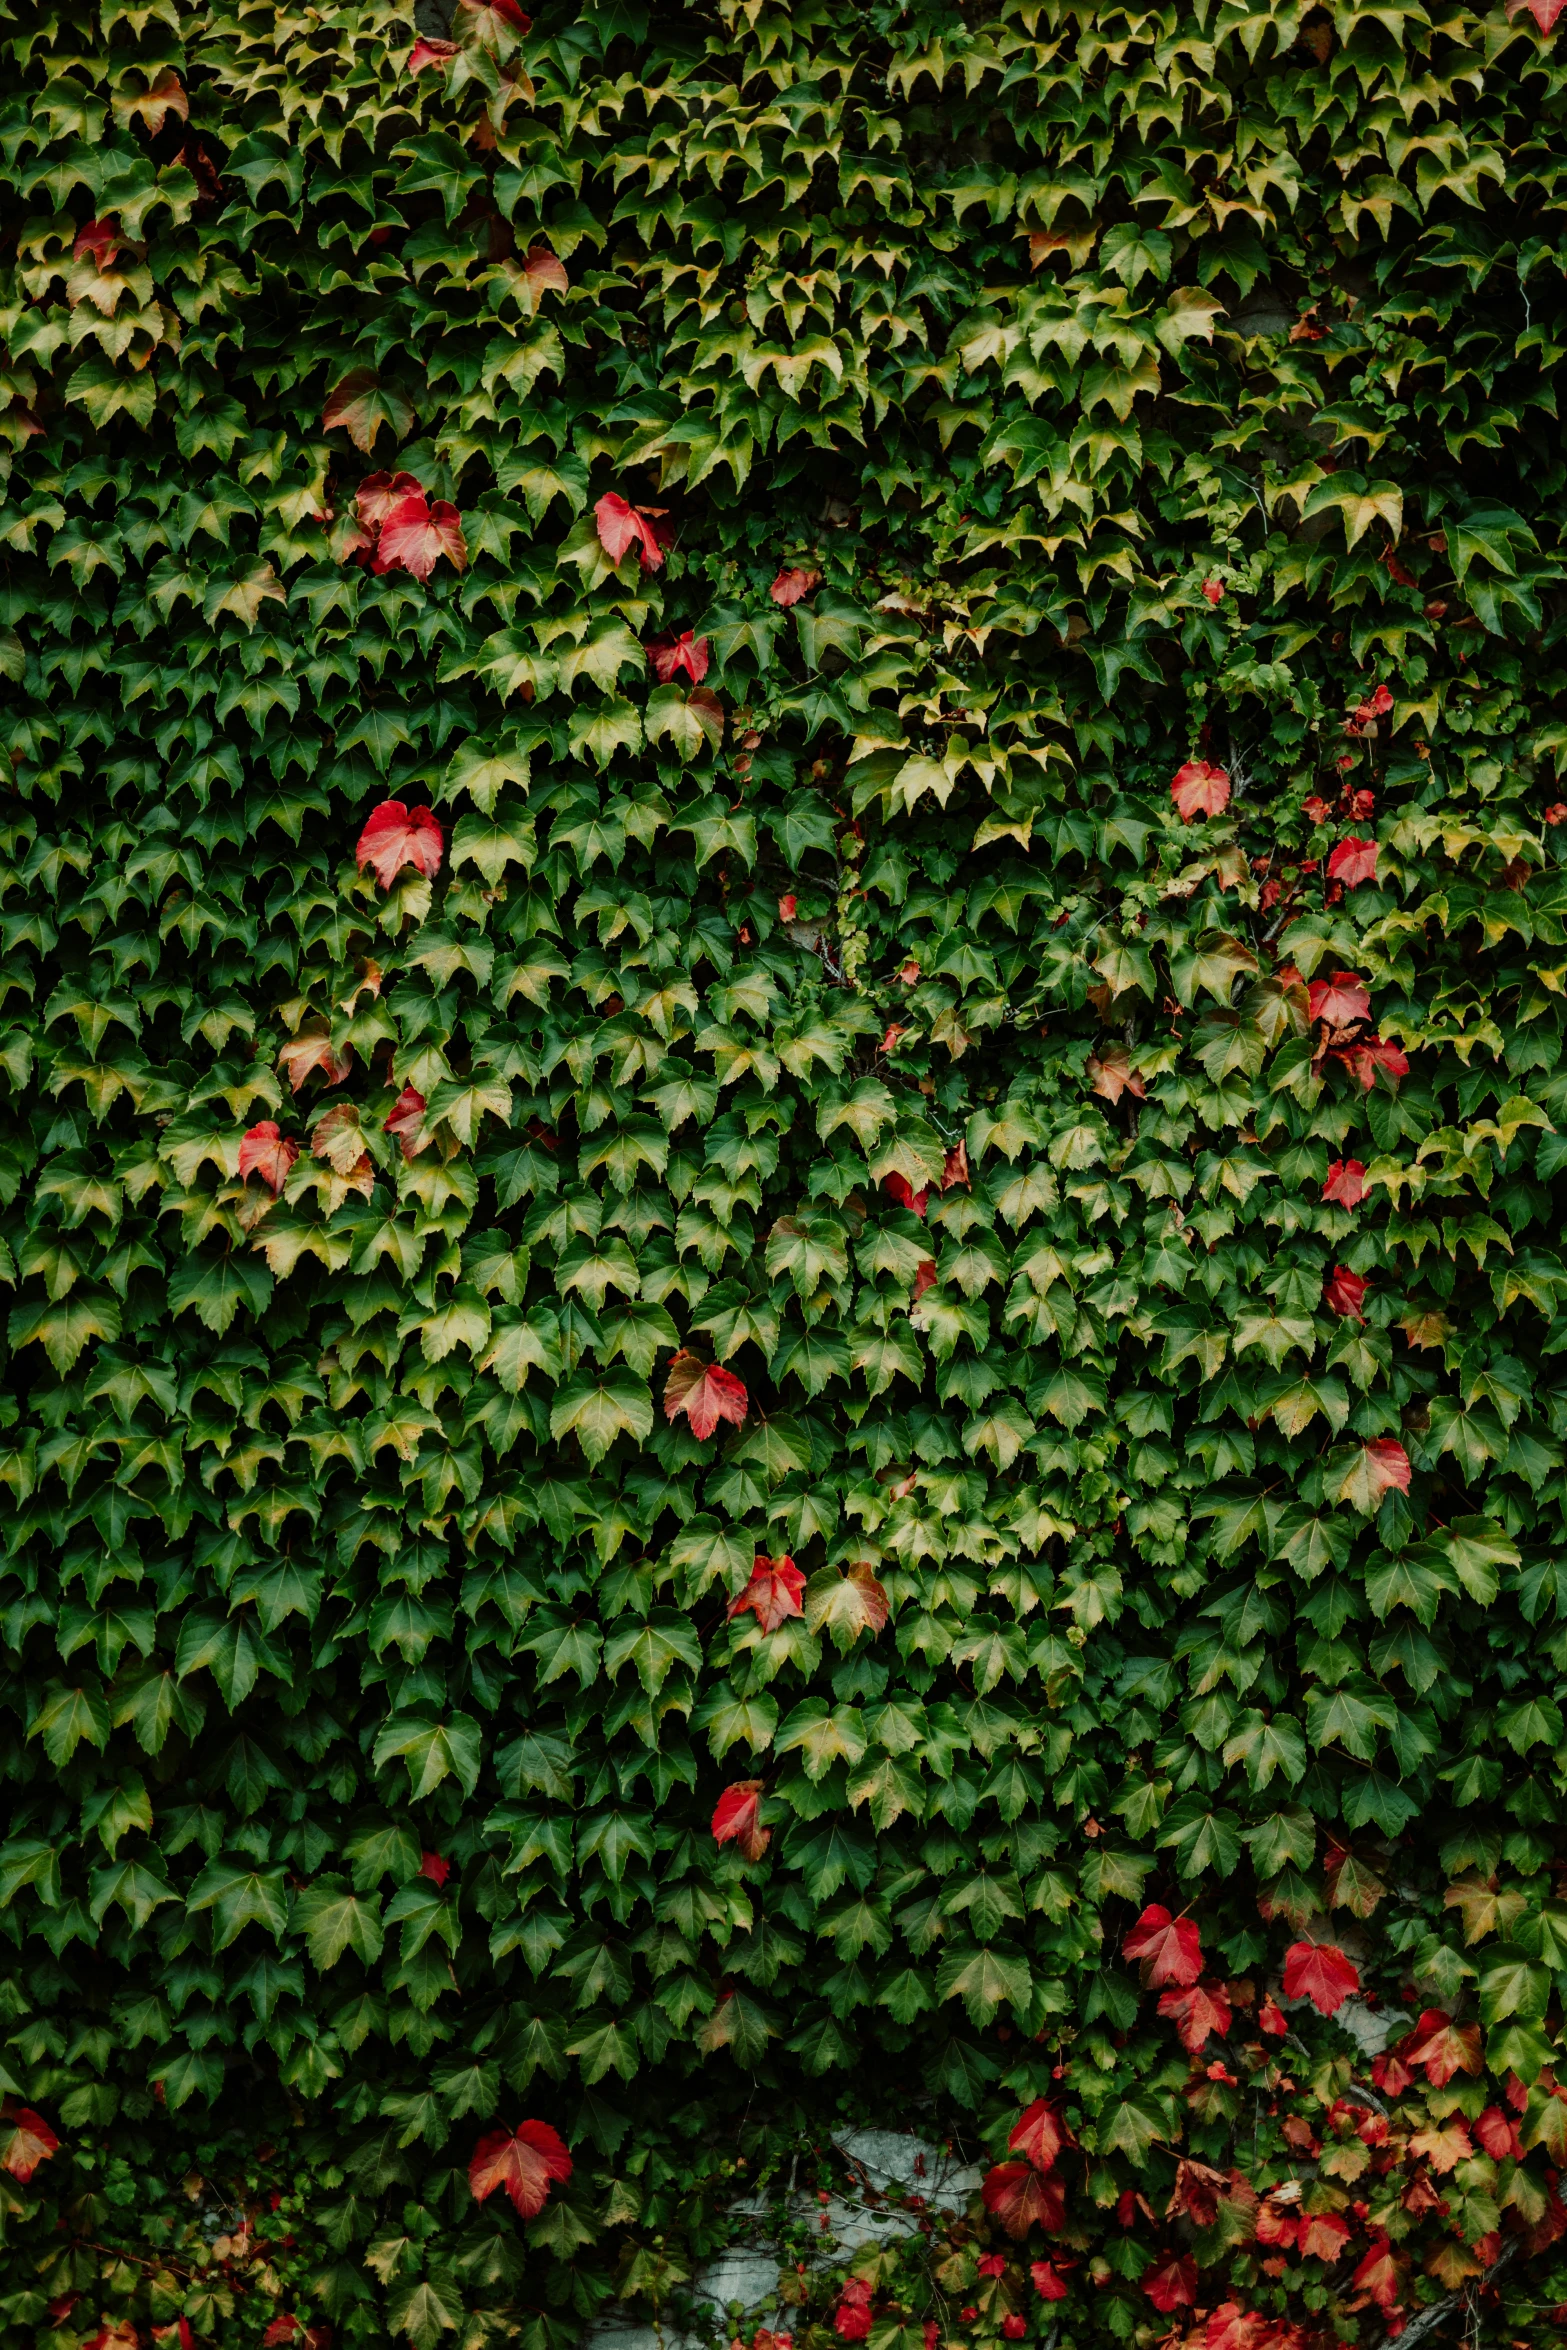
(773, 1593)
(1200, 789)
(1168, 1948)
(395, 838)
(1320, 1972)
(705, 1394)
(526, 2162)
(361, 404)
(26, 2140)
(736, 1818)
(1020, 2197)
(334, 1920)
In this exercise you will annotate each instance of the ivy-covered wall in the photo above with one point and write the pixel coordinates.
(782, 932)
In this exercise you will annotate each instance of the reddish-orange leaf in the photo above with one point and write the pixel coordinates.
(1443, 2047)
(1388, 1464)
(301, 1054)
(905, 1194)
(546, 269)
(1320, 1972)
(704, 1393)
(1370, 1055)
(26, 2140)
(266, 1151)
(1213, 589)
(1232, 2328)
(1196, 2011)
(1340, 1001)
(100, 241)
(924, 1277)
(1498, 2134)
(1378, 2273)
(788, 907)
(427, 52)
(1445, 2145)
(282, 2329)
(790, 586)
(1200, 789)
(1022, 2198)
(737, 1818)
(378, 493)
(1343, 1293)
(415, 535)
(1046, 2281)
(1111, 1074)
(1346, 1183)
(674, 656)
(773, 1593)
(396, 836)
(622, 526)
(1039, 2134)
(1323, 2236)
(405, 1123)
(955, 1168)
(1376, 705)
(1272, 2019)
(525, 2161)
(1170, 1949)
(1172, 2284)
(1353, 862)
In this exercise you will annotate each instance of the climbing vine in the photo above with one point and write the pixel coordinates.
(782, 1111)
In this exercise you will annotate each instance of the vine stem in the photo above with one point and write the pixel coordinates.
(1429, 2319)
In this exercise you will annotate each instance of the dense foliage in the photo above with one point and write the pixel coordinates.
(783, 945)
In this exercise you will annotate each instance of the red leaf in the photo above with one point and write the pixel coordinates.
(282, 2329)
(788, 907)
(378, 493)
(266, 1151)
(704, 1393)
(622, 527)
(955, 1169)
(1319, 1971)
(405, 1122)
(546, 268)
(99, 241)
(994, 2264)
(1213, 589)
(670, 655)
(427, 52)
(524, 2161)
(415, 535)
(1272, 2019)
(1340, 1001)
(1039, 2134)
(1343, 1293)
(904, 1193)
(790, 586)
(852, 2320)
(1170, 1948)
(1443, 2047)
(1377, 705)
(1372, 1054)
(1498, 2134)
(395, 836)
(1200, 789)
(1232, 2328)
(924, 1277)
(1021, 2198)
(1346, 1183)
(737, 1818)
(301, 1054)
(434, 1866)
(26, 2140)
(1323, 2236)
(773, 1593)
(1172, 2285)
(1388, 1463)
(1047, 2284)
(1353, 862)
(1198, 2010)
(1378, 2272)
